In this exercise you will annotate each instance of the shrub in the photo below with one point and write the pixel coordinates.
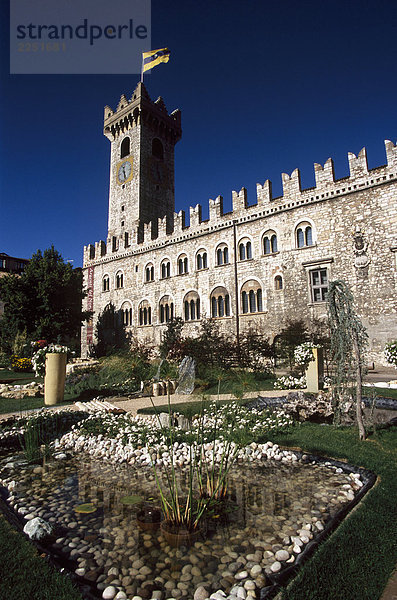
(391, 353)
(4, 360)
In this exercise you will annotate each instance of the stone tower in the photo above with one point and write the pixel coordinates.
(143, 136)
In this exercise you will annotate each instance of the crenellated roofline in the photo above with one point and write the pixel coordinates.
(162, 233)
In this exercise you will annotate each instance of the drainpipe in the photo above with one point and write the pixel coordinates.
(236, 289)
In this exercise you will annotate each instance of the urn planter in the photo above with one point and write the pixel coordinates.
(54, 379)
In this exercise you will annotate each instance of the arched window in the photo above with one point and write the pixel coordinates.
(125, 147)
(144, 313)
(149, 272)
(304, 235)
(220, 303)
(201, 260)
(165, 269)
(270, 243)
(166, 309)
(182, 265)
(108, 317)
(191, 306)
(157, 149)
(245, 249)
(278, 282)
(105, 283)
(222, 255)
(119, 280)
(126, 314)
(251, 297)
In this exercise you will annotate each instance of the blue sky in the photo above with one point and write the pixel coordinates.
(264, 87)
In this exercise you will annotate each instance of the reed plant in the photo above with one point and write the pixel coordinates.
(206, 475)
(31, 440)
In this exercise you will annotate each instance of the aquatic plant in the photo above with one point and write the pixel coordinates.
(207, 471)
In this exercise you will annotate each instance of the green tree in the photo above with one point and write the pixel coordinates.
(111, 334)
(349, 340)
(45, 301)
(171, 338)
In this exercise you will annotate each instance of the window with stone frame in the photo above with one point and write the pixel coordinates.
(119, 280)
(144, 313)
(245, 249)
(165, 269)
(251, 297)
(106, 283)
(220, 303)
(125, 147)
(126, 314)
(269, 242)
(222, 255)
(201, 260)
(149, 273)
(304, 235)
(278, 282)
(191, 306)
(183, 266)
(319, 284)
(166, 309)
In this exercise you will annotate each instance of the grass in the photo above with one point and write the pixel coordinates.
(16, 405)
(25, 574)
(386, 392)
(17, 378)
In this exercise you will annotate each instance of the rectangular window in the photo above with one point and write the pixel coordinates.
(319, 285)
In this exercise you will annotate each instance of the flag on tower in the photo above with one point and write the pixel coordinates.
(153, 58)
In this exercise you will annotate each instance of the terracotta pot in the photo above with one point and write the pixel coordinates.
(180, 536)
(149, 519)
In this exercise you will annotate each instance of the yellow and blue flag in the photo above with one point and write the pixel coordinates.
(154, 57)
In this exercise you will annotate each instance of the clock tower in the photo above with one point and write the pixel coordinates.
(142, 136)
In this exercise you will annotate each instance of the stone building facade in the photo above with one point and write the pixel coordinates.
(252, 268)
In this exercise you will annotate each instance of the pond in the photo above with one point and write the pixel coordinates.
(272, 511)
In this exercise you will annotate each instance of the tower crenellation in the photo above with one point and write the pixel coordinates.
(291, 184)
(324, 175)
(358, 165)
(264, 192)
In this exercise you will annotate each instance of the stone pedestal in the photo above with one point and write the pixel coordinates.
(54, 380)
(315, 372)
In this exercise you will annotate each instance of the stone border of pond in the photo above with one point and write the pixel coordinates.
(282, 578)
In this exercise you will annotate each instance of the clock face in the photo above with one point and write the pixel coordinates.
(124, 171)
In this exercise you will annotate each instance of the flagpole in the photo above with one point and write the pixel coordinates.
(142, 70)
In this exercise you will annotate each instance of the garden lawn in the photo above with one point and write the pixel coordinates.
(359, 557)
(386, 392)
(17, 378)
(17, 405)
(24, 575)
